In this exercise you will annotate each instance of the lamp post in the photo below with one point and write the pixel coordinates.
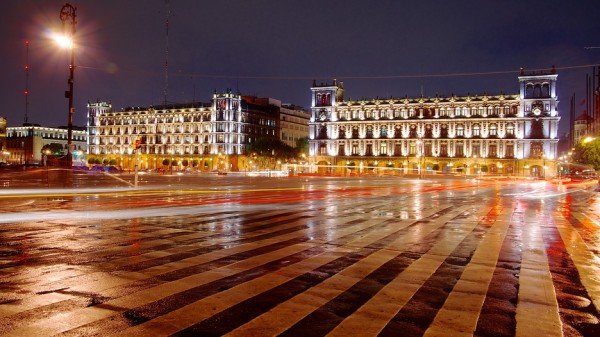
(544, 166)
(420, 151)
(68, 16)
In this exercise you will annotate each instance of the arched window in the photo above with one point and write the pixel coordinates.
(460, 131)
(383, 132)
(529, 90)
(537, 91)
(546, 90)
(476, 130)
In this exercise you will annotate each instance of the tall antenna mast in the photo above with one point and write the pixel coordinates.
(168, 15)
(26, 92)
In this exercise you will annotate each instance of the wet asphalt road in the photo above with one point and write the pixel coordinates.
(216, 255)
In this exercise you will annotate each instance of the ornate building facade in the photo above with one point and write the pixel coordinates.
(208, 136)
(26, 144)
(503, 134)
(3, 152)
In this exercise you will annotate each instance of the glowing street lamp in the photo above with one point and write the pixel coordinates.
(587, 139)
(63, 41)
(67, 15)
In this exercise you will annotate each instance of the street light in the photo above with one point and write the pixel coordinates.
(587, 139)
(544, 166)
(68, 16)
(420, 150)
(63, 41)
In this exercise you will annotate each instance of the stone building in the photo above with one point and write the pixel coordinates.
(209, 136)
(501, 134)
(25, 143)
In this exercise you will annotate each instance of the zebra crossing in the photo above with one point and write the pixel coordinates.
(490, 266)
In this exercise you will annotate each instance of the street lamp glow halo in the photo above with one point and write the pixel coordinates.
(63, 41)
(588, 139)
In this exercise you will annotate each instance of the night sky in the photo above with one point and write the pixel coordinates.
(121, 49)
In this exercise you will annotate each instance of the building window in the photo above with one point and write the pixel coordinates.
(476, 130)
(510, 130)
(476, 150)
(510, 151)
(493, 130)
(354, 149)
(460, 131)
(383, 149)
(493, 153)
(460, 150)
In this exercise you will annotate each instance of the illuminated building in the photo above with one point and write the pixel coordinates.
(25, 143)
(581, 127)
(3, 152)
(502, 134)
(206, 136)
(293, 121)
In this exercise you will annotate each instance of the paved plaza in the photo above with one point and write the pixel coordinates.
(298, 256)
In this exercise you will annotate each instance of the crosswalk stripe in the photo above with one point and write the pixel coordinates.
(232, 296)
(141, 298)
(289, 312)
(460, 312)
(537, 308)
(377, 312)
(585, 261)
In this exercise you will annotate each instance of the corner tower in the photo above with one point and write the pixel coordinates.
(539, 105)
(226, 123)
(324, 99)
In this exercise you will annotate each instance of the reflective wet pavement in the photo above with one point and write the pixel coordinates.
(204, 256)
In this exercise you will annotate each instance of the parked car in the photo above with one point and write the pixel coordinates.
(584, 175)
(97, 168)
(108, 169)
(113, 169)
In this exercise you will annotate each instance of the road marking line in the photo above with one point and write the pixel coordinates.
(380, 309)
(288, 313)
(537, 307)
(460, 312)
(585, 261)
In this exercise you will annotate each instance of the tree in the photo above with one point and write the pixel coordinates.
(588, 153)
(55, 148)
(302, 145)
(195, 163)
(112, 162)
(93, 161)
(271, 147)
(185, 163)
(166, 162)
(105, 161)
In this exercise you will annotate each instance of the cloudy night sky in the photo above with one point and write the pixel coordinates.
(284, 45)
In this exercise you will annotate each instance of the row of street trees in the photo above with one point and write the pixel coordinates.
(588, 152)
(267, 152)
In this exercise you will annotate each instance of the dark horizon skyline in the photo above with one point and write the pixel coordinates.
(121, 53)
